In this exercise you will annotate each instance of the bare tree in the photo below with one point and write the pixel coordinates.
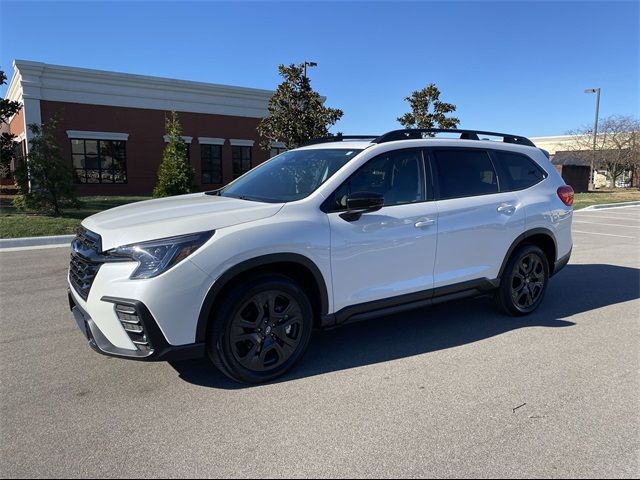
(617, 145)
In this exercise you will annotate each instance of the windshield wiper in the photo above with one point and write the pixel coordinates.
(243, 197)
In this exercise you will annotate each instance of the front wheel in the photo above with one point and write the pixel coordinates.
(524, 281)
(261, 330)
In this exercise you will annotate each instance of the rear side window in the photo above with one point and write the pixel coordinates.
(517, 171)
(465, 173)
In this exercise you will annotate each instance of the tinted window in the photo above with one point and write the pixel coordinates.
(465, 173)
(211, 162)
(241, 159)
(517, 172)
(99, 161)
(397, 176)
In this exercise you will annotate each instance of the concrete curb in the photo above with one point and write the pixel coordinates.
(57, 240)
(609, 205)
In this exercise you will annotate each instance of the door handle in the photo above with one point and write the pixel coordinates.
(506, 209)
(424, 222)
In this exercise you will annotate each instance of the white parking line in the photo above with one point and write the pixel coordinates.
(604, 234)
(620, 219)
(607, 224)
(593, 213)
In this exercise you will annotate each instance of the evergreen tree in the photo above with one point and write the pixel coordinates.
(296, 112)
(45, 180)
(427, 111)
(175, 175)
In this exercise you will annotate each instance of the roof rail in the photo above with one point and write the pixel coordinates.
(420, 133)
(339, 138)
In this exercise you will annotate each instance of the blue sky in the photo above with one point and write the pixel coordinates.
(519, 67)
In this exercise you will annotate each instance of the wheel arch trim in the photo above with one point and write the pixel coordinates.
(524, 236)
(257, 262)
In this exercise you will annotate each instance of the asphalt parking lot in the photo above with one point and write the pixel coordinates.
(456, 390)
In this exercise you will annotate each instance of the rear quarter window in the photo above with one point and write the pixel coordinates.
(516, 171)
(464, 173)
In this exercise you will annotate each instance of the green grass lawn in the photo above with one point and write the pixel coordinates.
(15, 224)
(583, 200)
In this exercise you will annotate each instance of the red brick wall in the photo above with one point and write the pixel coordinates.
(145, 144)
(16, 126)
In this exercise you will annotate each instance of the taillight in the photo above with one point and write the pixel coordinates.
(566, 195)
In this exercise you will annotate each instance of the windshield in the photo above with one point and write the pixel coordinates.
(290, 176)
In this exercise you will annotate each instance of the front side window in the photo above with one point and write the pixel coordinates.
(99, 161)
(211, 161)
(516, 171)
(398, 176)
(464, 173)
(241, 159)
(289, 177)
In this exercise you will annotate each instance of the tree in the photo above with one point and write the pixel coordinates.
(617, 145)
(45, 180)
(427, 111)
(175, 175)
(7, 140)
(296, 112)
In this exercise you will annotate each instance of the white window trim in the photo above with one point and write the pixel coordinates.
(237, 142)
(186, 139)
(211, 141)
(86, 135)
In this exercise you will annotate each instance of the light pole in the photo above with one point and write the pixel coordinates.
(595, 134)
(308, 64)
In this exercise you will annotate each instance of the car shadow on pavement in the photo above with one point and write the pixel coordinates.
(576, 289)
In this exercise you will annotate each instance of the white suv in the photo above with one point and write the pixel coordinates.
(342, 229)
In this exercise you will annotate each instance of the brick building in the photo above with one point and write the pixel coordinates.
(112, 124)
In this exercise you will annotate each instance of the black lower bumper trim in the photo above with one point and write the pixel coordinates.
(163, 351)
(562, 262)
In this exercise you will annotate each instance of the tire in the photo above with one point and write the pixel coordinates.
(261, 329)
(524, 281)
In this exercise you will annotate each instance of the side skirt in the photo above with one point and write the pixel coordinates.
(411, 301)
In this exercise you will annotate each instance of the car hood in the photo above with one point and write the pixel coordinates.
(171, 216)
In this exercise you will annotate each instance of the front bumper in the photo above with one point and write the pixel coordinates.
(158, 350)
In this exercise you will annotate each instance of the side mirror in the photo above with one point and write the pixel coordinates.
(362, 202)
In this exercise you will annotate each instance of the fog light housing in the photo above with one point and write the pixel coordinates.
(130, 320)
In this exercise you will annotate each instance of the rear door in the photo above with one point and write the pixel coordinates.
(477, 223)
(389, 252)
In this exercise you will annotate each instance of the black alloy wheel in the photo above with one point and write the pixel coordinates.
(266, 330)
(524, 281)
(261, 329)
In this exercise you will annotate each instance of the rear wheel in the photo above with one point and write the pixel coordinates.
(524, 281)
(261, 330)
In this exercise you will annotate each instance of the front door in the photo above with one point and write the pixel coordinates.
(389, 252)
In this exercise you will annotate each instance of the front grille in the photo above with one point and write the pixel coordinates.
(84, 264)
(87, 240)
(82, 273)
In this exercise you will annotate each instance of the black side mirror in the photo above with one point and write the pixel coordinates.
(362, 202)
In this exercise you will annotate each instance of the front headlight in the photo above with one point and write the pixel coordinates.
(158, 256)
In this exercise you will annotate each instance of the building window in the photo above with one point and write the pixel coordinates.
(211, 156)
(276, 151)
(241, 157)
(99, 161)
